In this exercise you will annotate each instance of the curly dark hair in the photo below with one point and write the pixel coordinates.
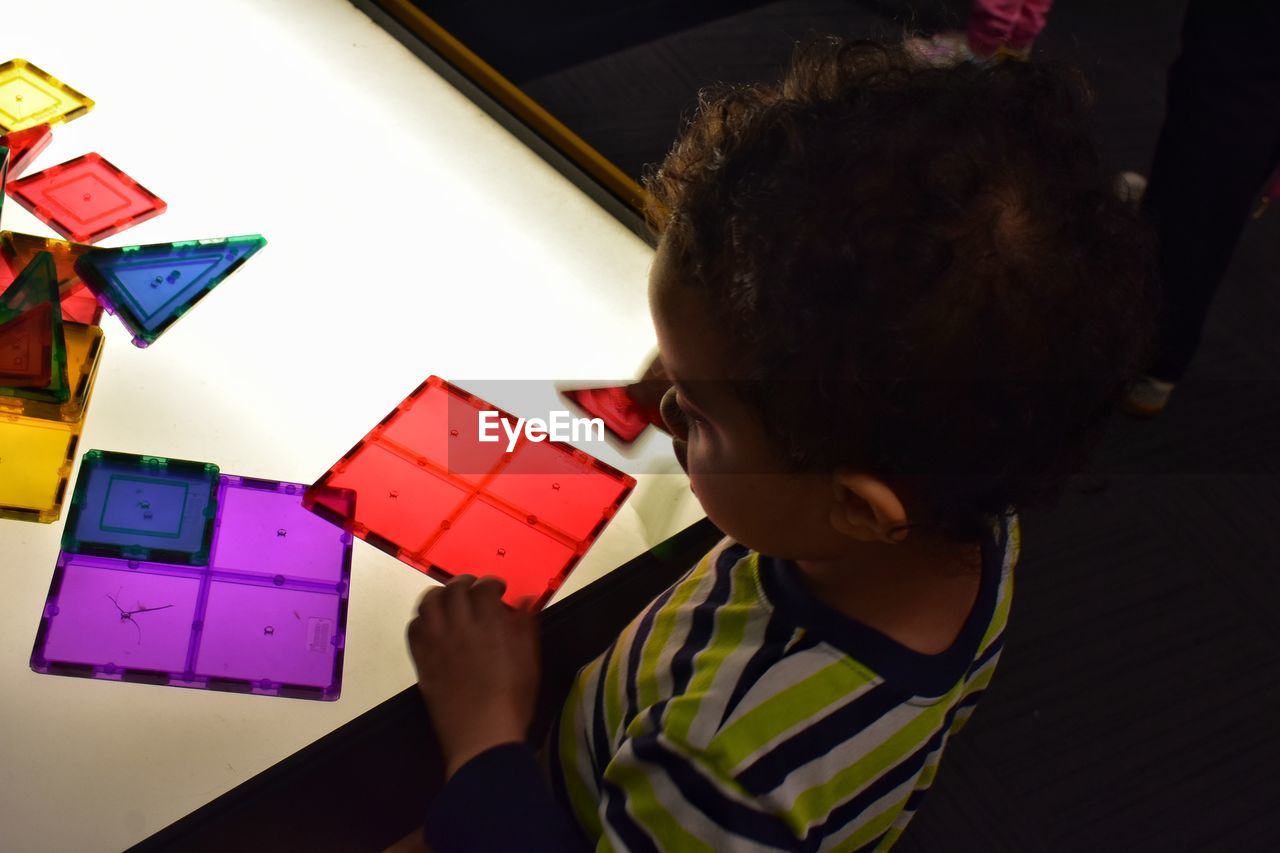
(924, 269)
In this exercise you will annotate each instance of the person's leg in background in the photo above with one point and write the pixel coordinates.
(1219, 142)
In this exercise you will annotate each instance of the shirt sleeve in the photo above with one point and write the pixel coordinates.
(662, 795)
(500, 801)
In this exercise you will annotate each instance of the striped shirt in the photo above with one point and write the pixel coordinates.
(737, 712)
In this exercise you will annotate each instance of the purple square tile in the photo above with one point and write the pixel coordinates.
(115, 615)
(262, 528)
(267, 615)
(267, 635)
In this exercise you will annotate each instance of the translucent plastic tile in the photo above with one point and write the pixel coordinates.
(26, 349)
(150, 287)
(564, 488)
(396, 497)
(24, 147)
(35, 461)
(428, 492)
(170, 625)
(81, 306)
(621, 414)
(86, 199)
(30, 96)
(34, 287)
(142, 507)
(484, 540)
(262, 528)
(84, 354)
(264, 636)
(119, 614)
(17, 250)
(4, 172)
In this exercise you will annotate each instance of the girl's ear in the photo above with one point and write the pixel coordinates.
(866, 509)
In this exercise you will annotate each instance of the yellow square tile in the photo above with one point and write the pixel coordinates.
(30, 96)
(35, 462)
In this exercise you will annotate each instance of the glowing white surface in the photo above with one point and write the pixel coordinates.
(408, 234)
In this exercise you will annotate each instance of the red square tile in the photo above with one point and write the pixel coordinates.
(433, 495)
(485, 540)
(86, 199)
(24, 146)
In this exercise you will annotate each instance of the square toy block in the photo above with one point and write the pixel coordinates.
(150, 287)
(86, 199)
(262, 528)
(35, 289)
(430, 493)
(268, 615)
(35, 462)
(260, 638)
(30, 96)
(143, 508)
(24, 147)
(118, 615)
(84, 351)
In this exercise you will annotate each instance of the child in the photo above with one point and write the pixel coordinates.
(895, 301)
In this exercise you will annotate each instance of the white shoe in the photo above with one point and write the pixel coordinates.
(1147, 397)
(1130, 187)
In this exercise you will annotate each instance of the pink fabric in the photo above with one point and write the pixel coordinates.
(1006, 23)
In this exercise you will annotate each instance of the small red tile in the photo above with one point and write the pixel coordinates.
(86, 199)
(429, 492)
(24, 146)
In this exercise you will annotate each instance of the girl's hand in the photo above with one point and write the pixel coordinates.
(478, 666)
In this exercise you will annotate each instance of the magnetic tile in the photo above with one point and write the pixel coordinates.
(36, 286)
(132, 620)
(81, 306)
(428, 492)
(118, 614)
(486, 541)
(84, 354)
(142, 507)
(398, 502)
(621, 414)
(457, 448)
(24, 147)
(266, 636)
(262, 528)
(35, 462)
(150, 287)
(26, 349)
(17, 250)
(86, 199)
(4, 172)
(30, 96)
(565, 488)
